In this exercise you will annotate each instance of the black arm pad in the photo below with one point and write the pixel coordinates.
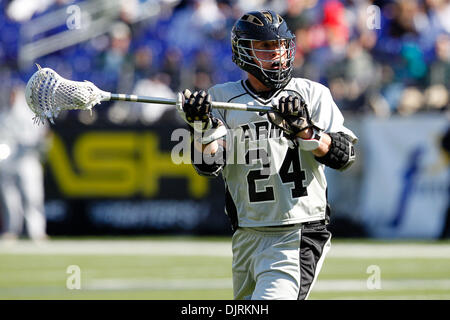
(341, 154)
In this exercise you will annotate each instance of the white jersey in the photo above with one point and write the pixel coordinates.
(292, 187)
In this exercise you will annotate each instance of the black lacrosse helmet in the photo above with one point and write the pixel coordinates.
(262, 26)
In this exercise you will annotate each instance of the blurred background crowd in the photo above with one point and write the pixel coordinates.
(383, 58)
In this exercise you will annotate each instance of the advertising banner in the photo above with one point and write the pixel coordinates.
(107, 179)
(406, 176)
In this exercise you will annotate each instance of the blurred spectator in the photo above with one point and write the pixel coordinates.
(172, 67)
(297, 15)
(191, 26)
(116, 62)
(440, 68)
(351, 80)
(21, 174)
(143, 62)
(147, 114)
(437, 95)
(367, 70)
(436, 22)
(299, 18)
(203, 69)
(202, 81)
(332, 51)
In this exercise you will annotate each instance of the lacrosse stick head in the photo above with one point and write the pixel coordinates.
(47, 94)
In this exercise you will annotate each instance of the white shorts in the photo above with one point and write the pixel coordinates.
(277, 263)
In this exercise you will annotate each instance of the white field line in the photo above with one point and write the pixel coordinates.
(429, 251)
(411, 296)
(158, 284)
(342, 285)
(386, 285)
(105, 247)
(213, 248)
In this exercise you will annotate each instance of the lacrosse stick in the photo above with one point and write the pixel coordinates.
(47, 94)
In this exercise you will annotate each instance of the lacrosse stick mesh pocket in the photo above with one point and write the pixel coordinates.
(48, 93)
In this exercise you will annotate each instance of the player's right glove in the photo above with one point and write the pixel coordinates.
(284, 118)
(195, 109)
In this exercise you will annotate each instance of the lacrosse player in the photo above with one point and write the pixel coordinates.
(21, 172)
(276, 199)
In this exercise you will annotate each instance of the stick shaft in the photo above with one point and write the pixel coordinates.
(144, 99)
(217, 105)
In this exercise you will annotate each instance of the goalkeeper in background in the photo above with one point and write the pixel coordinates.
(276, 200)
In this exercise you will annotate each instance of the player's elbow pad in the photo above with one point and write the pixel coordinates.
(341, 154)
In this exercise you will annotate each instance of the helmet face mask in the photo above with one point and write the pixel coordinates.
(263, 46)
(275, 67)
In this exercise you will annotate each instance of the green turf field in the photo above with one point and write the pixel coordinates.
(200, 268)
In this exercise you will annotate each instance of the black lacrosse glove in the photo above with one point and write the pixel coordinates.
(197, 107)
(282, 116)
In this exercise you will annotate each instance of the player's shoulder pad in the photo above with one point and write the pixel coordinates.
(341, 154)
(223, 91)
(307, 86)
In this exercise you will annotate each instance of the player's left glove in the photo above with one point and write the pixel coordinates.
(284, 118)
